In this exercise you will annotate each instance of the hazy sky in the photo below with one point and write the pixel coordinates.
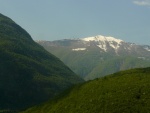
(128, 20)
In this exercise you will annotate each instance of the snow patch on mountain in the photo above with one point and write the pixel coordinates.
(103, 47)
(79, 49)
(148, 49)
(143, 58)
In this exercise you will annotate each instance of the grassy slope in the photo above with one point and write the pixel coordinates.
(28, 73)
(123, 92)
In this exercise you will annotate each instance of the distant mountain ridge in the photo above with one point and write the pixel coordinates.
(29, 74)
(105, 44)
(89, 56)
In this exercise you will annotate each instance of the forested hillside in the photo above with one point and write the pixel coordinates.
(28, 73)
(123, 92)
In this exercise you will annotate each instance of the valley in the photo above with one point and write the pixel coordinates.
(87, 75)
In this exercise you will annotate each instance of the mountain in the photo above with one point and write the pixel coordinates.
(93, 57)
(28, 73)
(123, 92)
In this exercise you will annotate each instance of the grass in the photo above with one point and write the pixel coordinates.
(123, 92)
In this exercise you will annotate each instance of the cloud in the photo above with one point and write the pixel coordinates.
(142, 2)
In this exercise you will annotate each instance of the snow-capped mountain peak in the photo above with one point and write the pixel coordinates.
(104, 42)
(102, 38)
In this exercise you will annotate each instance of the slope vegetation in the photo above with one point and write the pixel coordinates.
(123, 92)
(28, 73)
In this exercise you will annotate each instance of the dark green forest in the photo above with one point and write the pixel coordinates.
(28, 73)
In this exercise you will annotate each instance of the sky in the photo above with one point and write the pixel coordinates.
(50, 20)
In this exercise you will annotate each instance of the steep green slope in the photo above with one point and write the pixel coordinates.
(28, 73)
(123, 92)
